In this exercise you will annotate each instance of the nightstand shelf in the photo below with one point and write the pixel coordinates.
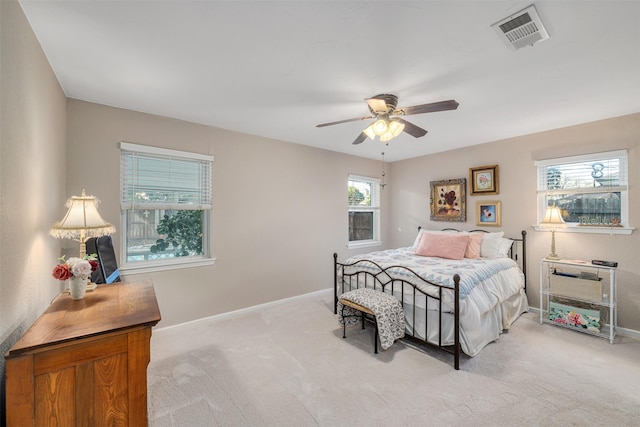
(579, 296)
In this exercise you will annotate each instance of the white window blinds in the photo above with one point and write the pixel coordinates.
(156, 178)
(592, 173)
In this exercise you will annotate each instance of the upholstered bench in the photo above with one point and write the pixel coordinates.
(384, 309)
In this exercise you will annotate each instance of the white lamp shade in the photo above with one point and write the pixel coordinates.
(394, 129)
(552, 217)
(369, 132)
(82, 220)
(380, 126)
(387, 136)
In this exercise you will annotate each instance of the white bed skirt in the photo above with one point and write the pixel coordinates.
(473, 338)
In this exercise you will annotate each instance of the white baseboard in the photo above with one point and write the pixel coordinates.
(631, 333)
(625, 332)
(242, 311)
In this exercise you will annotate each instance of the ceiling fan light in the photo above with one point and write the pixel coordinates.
(387, 136)
(370, 132)
(396, 127)
(380, 126)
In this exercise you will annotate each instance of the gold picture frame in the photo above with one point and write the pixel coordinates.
(488, 213)
(448, 200)
(484, 180)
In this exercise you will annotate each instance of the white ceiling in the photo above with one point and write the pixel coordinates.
(278, 68)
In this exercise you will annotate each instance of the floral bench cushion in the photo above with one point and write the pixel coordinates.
(386, 309)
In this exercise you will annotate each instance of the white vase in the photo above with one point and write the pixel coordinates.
(78, 287)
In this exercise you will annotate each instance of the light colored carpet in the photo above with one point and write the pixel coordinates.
(287, 365)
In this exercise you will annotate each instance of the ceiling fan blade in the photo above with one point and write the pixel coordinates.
(428, 108)
(377, 105)
(344, 121)
(412, 129)
(360, 139)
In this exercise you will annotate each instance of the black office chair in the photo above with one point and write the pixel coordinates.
(107, 271)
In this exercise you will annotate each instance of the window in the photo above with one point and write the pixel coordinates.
(590, 190)
(165, 203)
(364, 211)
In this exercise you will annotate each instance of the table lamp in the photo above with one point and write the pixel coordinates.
(82, 221)
(552, 219)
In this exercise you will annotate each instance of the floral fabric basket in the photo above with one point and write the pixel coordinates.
(583, 318)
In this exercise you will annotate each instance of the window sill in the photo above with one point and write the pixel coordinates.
(155, 267)
(364, 244)
(589, 230)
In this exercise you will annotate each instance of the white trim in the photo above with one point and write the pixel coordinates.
(543, 192)
(164, 265)
(589, 190)
(580, 158)
(626, 332)
(363, 178)
(128, 146)
(165, 206)
(363, 244)
(631, 333)
(375, 209)
(129, 150)
(587, 229)
(236, 313)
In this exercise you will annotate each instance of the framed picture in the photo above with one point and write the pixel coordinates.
(448, 200)
(488, 213)
(484, 180)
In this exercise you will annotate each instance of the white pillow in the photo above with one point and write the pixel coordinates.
(490, 246)
(505, 245)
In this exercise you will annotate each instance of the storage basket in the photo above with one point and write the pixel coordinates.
(582, 318)
(574, 287)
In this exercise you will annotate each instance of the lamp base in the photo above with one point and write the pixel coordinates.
(553, 255)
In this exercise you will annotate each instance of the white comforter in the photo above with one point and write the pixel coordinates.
(491, 292)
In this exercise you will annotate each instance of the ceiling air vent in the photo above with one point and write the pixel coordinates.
(521, 29)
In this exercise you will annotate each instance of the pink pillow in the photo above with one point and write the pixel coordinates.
(450, 246)
(473, 247)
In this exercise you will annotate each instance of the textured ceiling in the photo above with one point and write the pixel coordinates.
(277, 69)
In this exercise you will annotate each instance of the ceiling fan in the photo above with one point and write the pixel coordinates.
(387, 126)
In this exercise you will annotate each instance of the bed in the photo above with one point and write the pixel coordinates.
(459, 290)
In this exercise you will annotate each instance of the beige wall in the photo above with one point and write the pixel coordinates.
(279, 209)
(32, 177)
(409, 205)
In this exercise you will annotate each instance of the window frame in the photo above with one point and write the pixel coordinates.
(623, 188)
(376, 210)
(170, 263)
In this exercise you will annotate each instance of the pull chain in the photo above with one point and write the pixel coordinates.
(382, 184)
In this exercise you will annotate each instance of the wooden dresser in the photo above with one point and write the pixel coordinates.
(84, 363)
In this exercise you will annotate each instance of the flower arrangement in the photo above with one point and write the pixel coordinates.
(75, 267)
(447, 202)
